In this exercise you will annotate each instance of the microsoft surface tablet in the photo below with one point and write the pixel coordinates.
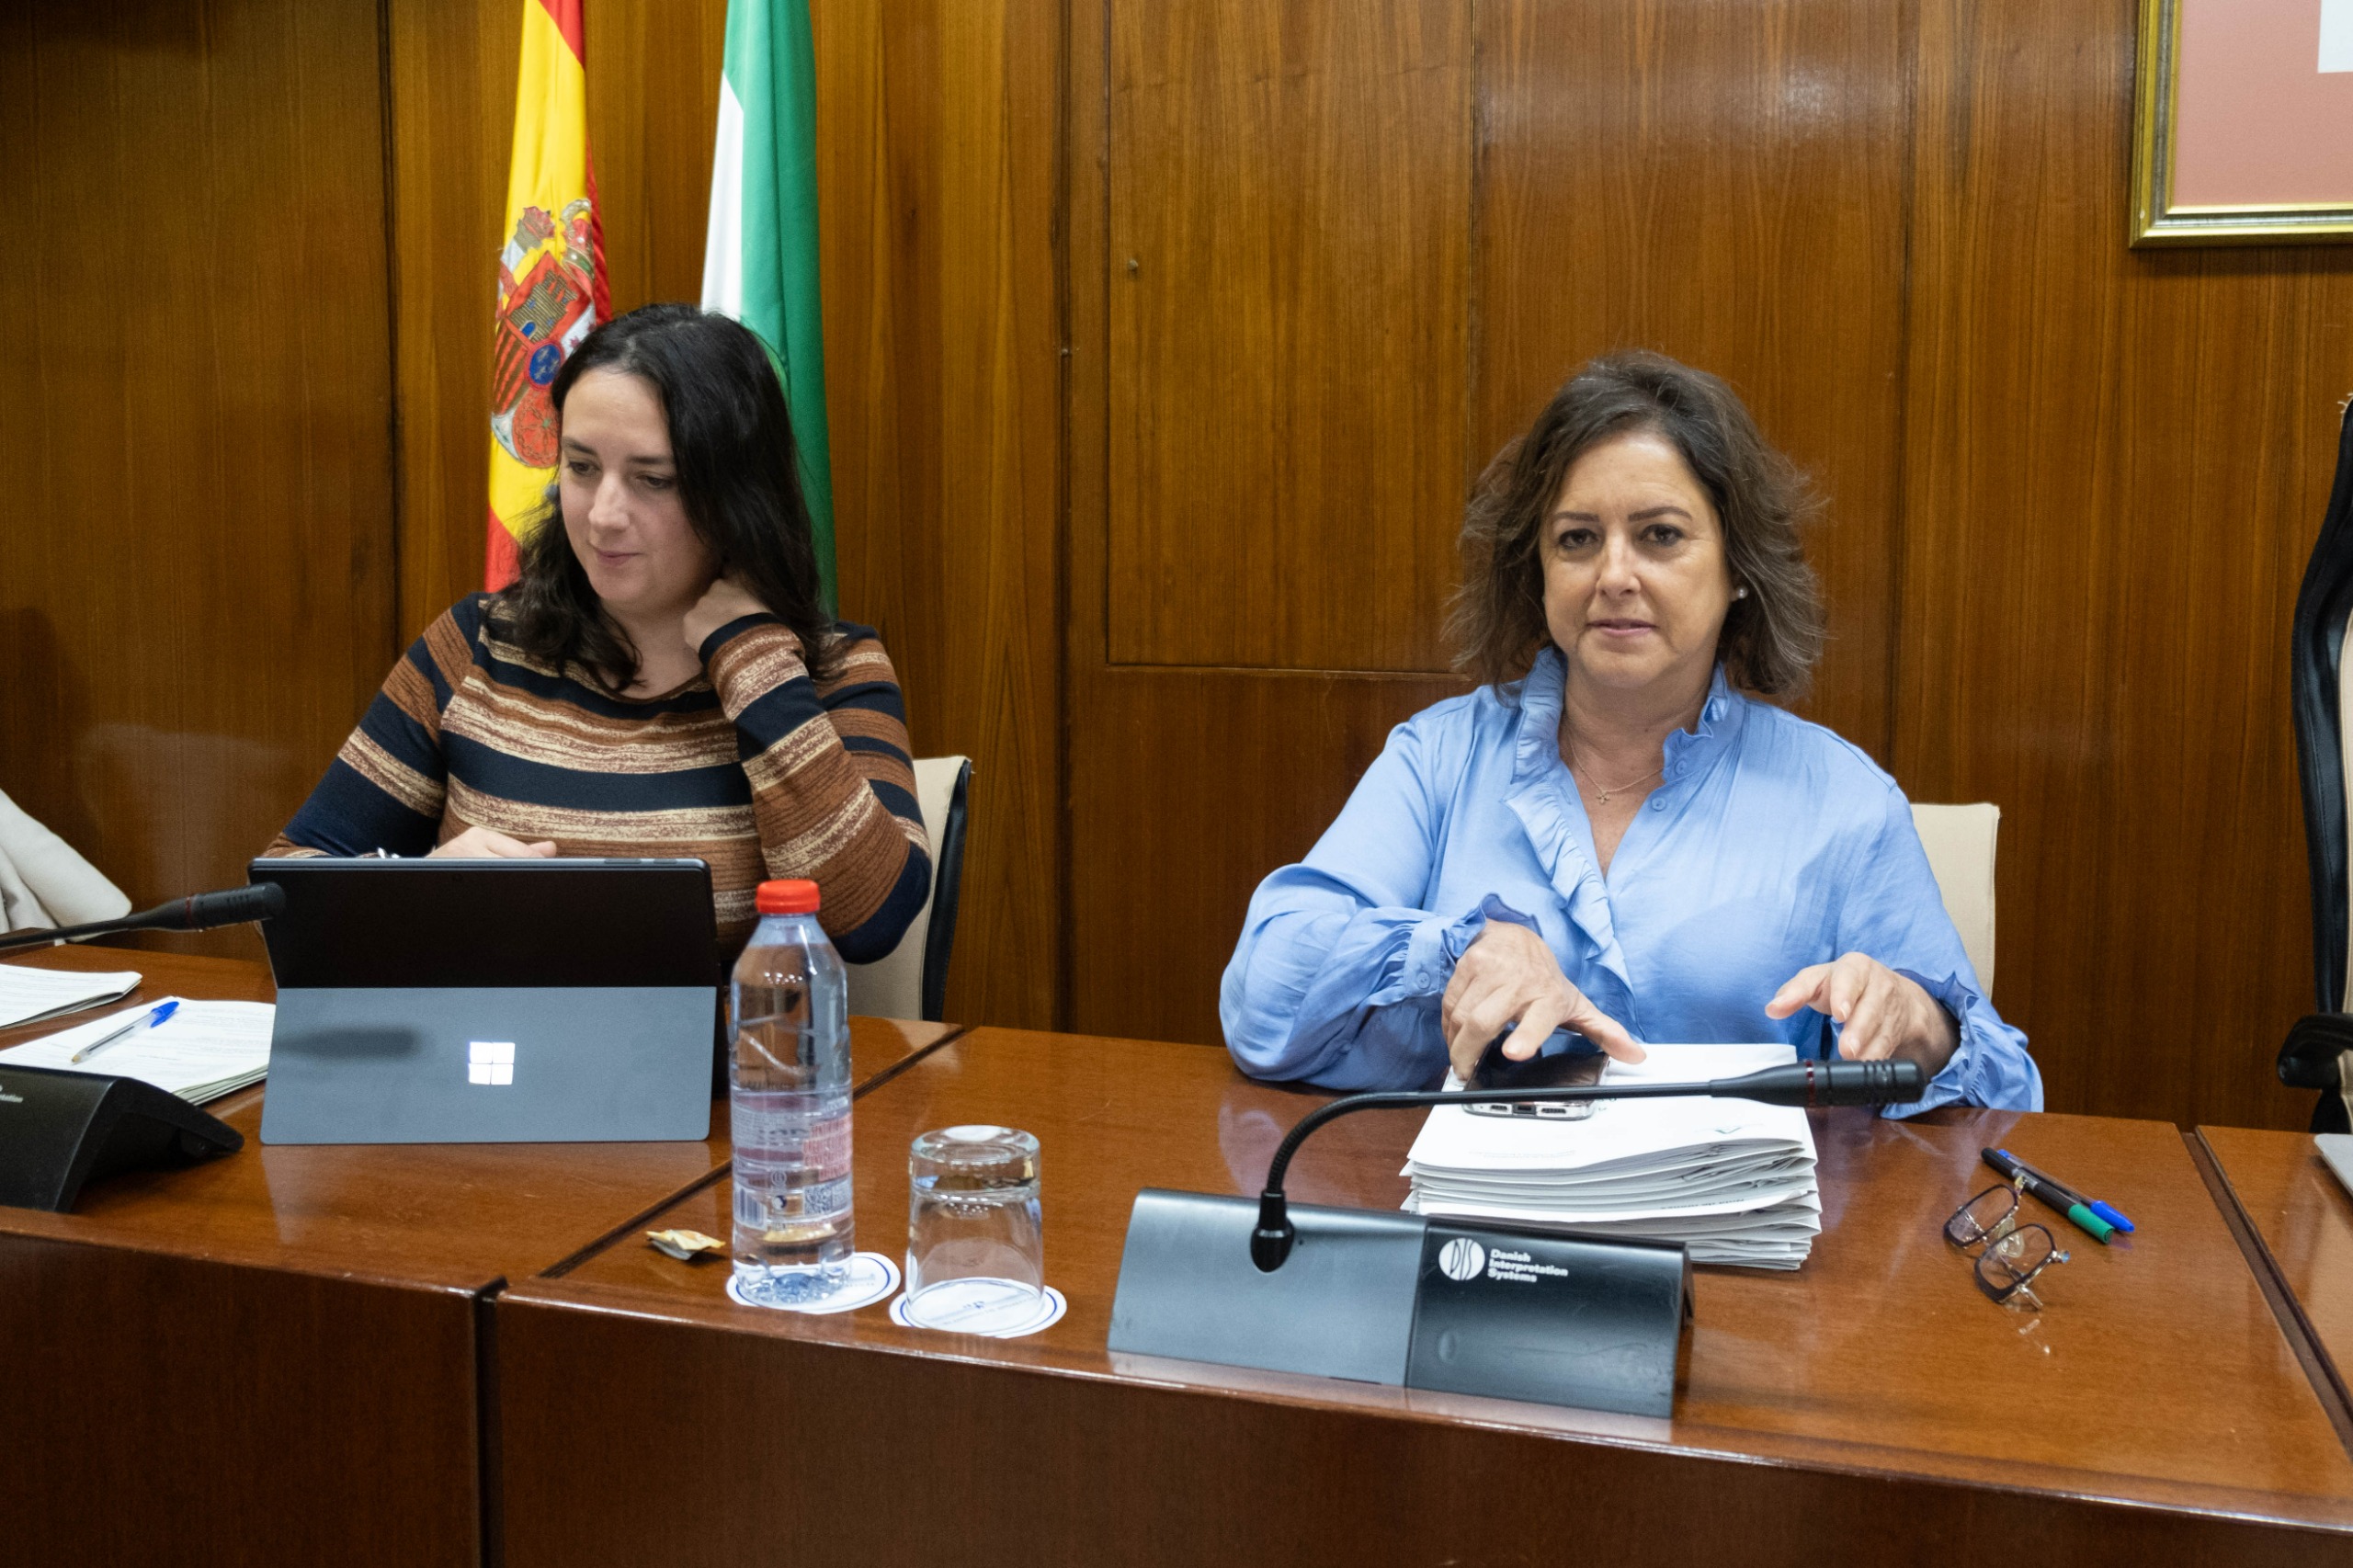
(490, 1001)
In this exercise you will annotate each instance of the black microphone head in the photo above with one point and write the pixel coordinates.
(1890, 1082)
(1830, 1083)
(230, 906)
(1900, 1082)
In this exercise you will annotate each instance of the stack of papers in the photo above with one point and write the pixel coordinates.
(1730, 1179)
(27, 995)
(203, 1051)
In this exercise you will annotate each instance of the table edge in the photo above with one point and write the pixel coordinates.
(2320, 1369)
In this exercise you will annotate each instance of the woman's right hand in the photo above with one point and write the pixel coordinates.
(1510, 976)
(488, 844)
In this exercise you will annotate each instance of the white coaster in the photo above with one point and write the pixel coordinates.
(1051, 1308)
(872, 1277)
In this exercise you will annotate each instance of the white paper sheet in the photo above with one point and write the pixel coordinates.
(1731, 1179)
(202, 1051)
(28, 995)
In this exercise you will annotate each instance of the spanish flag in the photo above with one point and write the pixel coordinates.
(551, 288)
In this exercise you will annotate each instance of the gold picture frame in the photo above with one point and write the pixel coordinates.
(2157, 220)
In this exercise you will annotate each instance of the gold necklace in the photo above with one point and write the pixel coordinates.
(1607, 791)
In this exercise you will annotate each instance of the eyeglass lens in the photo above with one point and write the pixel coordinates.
(1988, 1217)
(2006, 1267)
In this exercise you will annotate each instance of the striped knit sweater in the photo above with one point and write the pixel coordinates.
(753, 767)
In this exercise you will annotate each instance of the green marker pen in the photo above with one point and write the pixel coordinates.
(2066, 1203)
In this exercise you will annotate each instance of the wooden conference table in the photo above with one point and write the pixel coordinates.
(361, 1353)
(2299, 1221)
(282, 1357)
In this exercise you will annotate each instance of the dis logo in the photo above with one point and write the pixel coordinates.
(1462, 1258)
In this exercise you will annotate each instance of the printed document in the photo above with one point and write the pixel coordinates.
(1731, 1179)
(29, 995)
(203, 1051)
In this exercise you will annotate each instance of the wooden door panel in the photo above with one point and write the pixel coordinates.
(1289, 188)
(1724, 183)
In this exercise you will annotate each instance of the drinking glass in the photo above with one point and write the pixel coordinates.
(975, 1241)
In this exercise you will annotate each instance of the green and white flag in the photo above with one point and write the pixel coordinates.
(759, 261)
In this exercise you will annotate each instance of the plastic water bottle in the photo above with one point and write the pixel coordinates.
(789, 1078)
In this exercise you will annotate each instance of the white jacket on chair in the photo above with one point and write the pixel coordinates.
(43, 882)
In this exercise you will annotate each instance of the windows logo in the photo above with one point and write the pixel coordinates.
(490, 1062)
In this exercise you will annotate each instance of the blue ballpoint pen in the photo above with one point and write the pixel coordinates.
(162, 1010)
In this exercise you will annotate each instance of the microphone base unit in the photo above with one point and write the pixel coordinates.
(1506, 1311)
(60, 1129)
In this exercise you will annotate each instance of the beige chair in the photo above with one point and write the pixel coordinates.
(1959, 842)
(912, 981)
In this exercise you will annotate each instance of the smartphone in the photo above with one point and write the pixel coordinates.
(1577, 1061)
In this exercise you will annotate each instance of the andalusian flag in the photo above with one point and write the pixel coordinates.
(760, 262)
(551, 285)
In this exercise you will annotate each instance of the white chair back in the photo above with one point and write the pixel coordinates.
(892, 986)
(1959, 842)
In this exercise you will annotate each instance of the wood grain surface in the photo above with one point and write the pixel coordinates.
(452, 71)
(274, 1356)
(2116, 463)
(1727, 184)
(939, 181)
(2302, 1217)
(1290, 317)
(1872, 1397)
(196, 565)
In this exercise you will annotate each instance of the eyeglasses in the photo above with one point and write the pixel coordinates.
(2008, 1255)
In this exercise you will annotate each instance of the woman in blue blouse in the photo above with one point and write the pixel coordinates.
(1611, 834)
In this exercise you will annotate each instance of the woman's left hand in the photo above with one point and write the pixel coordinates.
(1881, 1014)
(726, 599)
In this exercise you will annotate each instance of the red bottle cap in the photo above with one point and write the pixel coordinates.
(789, 897)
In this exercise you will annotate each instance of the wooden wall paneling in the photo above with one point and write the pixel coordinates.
(1290, 208)
(1187, 788)
(653, 117)
(1189, 785)
(1723, 182)
(2116, 465)
(196, 567)
(452, 68)
(938, 161)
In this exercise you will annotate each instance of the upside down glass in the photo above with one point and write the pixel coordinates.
(975, 1235)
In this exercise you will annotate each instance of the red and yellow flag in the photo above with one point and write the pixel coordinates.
(551, 285)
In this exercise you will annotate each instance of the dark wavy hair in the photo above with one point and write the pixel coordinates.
(1771, 639)
(739, 477)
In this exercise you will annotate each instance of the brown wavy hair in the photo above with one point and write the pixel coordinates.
(1771, 639)
(739, 477)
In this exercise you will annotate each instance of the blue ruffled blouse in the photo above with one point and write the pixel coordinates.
(1769, 844)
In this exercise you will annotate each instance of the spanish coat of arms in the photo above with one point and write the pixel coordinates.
(546, 293)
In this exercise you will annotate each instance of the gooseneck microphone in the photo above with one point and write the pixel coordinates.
(198, 911)
(1802, 1084)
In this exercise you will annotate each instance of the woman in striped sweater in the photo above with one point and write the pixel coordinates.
(661, 679)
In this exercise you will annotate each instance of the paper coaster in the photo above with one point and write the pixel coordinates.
(872, 1277)
(1049, 1312)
